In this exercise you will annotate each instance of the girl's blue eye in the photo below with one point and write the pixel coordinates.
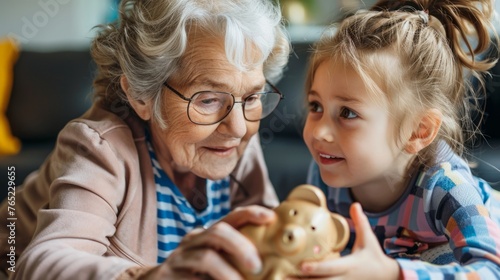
(347, 113)
(315, 107)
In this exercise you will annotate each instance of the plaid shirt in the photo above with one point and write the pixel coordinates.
(445, 226)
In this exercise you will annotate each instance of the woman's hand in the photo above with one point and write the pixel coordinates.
(200, 252)
(366, 261)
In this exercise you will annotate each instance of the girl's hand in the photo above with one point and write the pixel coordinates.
(366, 261)
(200, 252)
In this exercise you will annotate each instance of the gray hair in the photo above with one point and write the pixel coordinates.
(150, 38)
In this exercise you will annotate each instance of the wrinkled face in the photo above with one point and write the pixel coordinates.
(208, 151)
(349, 135)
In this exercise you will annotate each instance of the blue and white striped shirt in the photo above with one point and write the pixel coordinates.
(176, 216)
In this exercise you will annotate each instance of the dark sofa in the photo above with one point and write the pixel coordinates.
(286, 154)
(51, 88)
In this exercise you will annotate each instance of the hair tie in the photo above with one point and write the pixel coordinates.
(411, 7)
(405, 6)
(424, 15)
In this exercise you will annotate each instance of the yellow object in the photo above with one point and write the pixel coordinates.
(9, 53)
(305, 230)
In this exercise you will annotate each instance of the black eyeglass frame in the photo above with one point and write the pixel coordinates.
(276, 90)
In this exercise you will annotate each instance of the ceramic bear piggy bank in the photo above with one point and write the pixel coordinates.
(304, 230)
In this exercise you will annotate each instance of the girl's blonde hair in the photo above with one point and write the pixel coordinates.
(435, 47)
(149, 40)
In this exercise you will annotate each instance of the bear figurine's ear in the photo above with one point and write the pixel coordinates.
(343, 232)
(308, 193)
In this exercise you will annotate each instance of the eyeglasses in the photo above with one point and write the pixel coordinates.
(211, 107)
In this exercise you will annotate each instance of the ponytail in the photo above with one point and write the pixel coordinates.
(465, 22)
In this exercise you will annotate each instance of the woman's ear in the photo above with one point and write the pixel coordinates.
(141, 108)
(426, 131)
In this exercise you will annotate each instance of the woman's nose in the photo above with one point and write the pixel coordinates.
(235, 124)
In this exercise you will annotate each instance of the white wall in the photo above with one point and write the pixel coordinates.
(496, 20)
(52, 24)
(67, 24)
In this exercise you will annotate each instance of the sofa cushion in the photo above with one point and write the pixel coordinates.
(285, 152)
(288, 118)
(50, 88)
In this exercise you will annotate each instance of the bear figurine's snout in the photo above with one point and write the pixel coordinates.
(291, 240)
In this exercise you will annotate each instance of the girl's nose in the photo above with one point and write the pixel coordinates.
(324, 130)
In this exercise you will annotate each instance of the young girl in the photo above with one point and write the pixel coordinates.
(388, 102)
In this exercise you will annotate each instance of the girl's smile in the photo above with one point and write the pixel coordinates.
(329, 159)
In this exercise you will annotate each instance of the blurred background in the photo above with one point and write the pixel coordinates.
(51, 76)
(46, 25)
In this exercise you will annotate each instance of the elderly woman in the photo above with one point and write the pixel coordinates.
(168, 148)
